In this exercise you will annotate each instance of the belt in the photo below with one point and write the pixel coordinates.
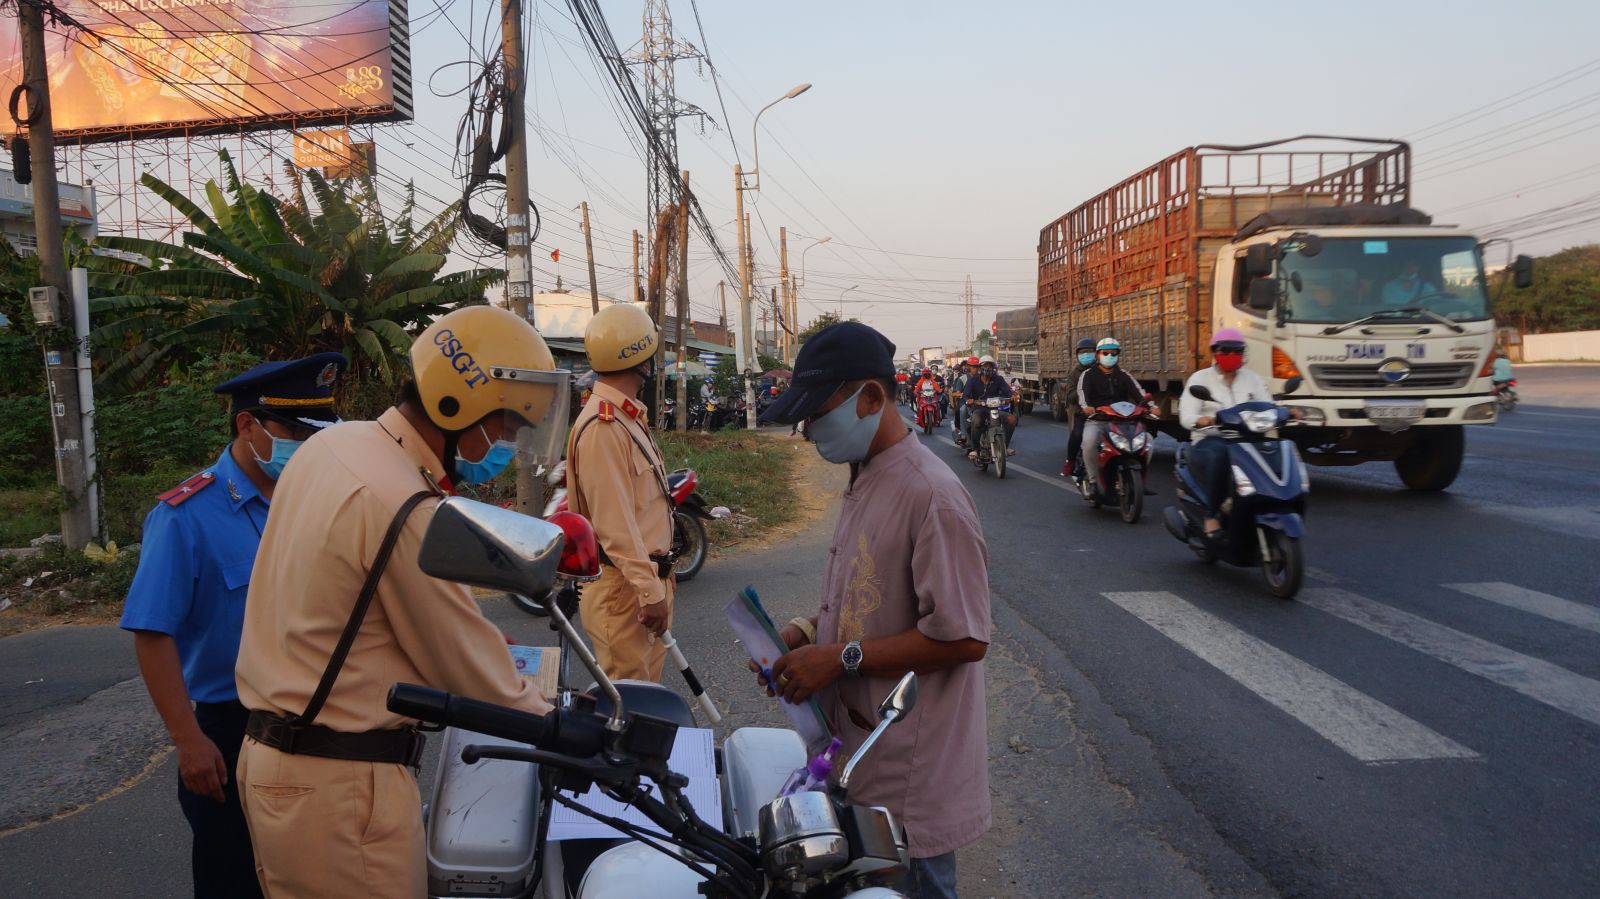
(664, 562)
(400, 746)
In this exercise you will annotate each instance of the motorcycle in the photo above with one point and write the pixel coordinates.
(1126, 445)
(928, 410)
(504, 771)
(668, 416)
(1263, 514)
(991, 438)
(1505, 393)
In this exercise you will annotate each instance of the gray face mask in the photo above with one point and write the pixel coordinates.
(842, 437)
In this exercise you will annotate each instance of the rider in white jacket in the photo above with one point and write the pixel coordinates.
(1230, 384)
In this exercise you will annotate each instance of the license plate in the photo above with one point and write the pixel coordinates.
(1393, 411)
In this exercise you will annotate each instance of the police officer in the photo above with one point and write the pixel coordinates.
(618, 481)
(186, 605)
(326, 774)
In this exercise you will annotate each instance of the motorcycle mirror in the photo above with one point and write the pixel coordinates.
(1200, 392)
(895, 707)
(1293, 384)
(485, 546)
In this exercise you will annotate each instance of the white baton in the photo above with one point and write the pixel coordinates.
(690, 679)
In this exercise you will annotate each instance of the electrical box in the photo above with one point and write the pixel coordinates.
(46, 304)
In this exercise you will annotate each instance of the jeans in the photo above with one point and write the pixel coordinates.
(1090, 447)
(221, 859)
(931, 878)
(1208, 460)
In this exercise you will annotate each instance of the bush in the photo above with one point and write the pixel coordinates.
(68, 581)
(126, 499)
(27, 445)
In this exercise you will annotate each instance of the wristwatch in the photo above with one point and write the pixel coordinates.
(851, 657)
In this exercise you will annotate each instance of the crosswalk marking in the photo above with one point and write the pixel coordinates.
(1535, 678)
(1532, 601)
(1355, 722)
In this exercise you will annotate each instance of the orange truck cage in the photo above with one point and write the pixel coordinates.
(1136, 261)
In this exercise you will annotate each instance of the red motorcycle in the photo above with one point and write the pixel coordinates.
(1126, 445)
(689, 544)
(1505, 393)
(928, 409)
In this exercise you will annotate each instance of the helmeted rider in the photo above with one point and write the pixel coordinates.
(965, 373)
(1085, 361)
(1102, 384)
(986, 384)
(925, 380)
(1230, 384)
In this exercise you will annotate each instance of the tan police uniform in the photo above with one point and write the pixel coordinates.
(617, 479)
(337, 827)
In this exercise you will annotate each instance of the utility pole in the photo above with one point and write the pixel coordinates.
(777, 323)
(637, 298)
(794, 321)
(519, 262)
(61, 357)
(741, 349)
(966, 296)
(722, 297)
(683, 309)
(785, 320)
(588, 246)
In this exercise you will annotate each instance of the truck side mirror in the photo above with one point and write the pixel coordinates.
(1258, 258)
(1293, 384)
(1522, 272)
(1263, 294)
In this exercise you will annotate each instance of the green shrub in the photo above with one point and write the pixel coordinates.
(127, 499)
(28, 513)
(27, 445)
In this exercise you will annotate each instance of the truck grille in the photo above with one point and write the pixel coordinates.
(1435, 375)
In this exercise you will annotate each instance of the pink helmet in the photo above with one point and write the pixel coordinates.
(1226, 335)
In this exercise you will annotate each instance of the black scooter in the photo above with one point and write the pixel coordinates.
(1263, 513)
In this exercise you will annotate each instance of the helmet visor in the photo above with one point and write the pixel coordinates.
(537, 419)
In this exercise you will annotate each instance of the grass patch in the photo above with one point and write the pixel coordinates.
(60, 586)
(28, 512)
(748, 474)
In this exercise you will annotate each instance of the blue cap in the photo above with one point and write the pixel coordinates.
(836, 355)
(299, 389)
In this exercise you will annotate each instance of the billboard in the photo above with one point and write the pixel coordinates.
(161, 68)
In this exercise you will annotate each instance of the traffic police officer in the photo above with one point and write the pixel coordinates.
(186, 605)
(618, 481)
(326, 773)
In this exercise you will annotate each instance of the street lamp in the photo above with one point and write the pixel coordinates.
(742, 336)
(803, 253)
(841, 299)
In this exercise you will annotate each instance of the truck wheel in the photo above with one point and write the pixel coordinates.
(1026, 406)
(1433, 459)
(1058, 403)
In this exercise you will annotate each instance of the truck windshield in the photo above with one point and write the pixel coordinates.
(1399, 277)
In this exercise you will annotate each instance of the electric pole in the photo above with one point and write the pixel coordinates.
(61, 356)
(722, 297)
(966, 296)
(519, 261)
(683, 309)
(741, 341)
(637, 289)
(588, 247)
(785, 318)
(777, 322)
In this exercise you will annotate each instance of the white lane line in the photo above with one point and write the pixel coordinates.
(1533, 602)
(1535, 678)
(1351, 720)
(1518, 430)
(1060, 482)
(1593, 418)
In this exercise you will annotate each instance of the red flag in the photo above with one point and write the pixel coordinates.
(555, 255)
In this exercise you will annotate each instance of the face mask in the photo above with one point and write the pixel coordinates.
(1109, 360)
(1085, 358)
(842, 437)
(282, 449)
(493, 462)
(1230, 362)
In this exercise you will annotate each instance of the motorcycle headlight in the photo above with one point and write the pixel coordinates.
(1119, 441)
(1262, 421)
(993, 402)
(1241, 482)
(1141, 440)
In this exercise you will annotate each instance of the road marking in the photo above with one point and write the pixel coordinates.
(1533, 602)
(1063, 483)
(1519, 430)
(1351, 720)
(1535, 678)
(1595, 418)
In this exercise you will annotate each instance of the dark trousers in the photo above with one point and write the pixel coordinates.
(223, 863)
(1208, 459)
(1075, 442)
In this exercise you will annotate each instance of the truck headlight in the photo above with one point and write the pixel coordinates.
(1480, 412)
(1241, 482)
(1310, 415)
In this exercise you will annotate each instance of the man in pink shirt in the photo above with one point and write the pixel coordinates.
(905, 588)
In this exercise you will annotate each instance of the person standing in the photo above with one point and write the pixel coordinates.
(186, 605)
(340, 610)
(905, 588)
(618, 481)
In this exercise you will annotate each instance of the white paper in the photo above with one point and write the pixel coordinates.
(692, 756)
(755, 632)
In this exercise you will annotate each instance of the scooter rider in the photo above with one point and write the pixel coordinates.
(986, 384)
(1102, 385)
(1085, 359)
(1230, 384)
(966, 372)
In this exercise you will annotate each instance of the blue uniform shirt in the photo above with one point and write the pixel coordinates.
(194, 572)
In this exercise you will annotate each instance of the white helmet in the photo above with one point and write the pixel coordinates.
(986, 360)
(1107, 343)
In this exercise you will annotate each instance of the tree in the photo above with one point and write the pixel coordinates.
(820, 322)
(1565, 295)
(981, 343)
(278, 278)
(767, 363)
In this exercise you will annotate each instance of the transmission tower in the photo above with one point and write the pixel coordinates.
(658, 51)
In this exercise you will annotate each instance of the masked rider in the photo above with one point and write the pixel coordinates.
(1103, 384)
(966, 373)
(1085, 360)
(986, 384)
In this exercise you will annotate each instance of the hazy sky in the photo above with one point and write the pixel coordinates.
(940, 137)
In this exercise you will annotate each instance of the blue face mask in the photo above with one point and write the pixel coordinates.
(282, 449)
(493, 462)
(1086, 358)
(841, 436)
(1109, 360)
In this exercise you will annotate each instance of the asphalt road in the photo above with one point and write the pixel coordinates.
(1424, 720)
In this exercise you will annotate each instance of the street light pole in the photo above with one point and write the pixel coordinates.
(802, 281)
(841, 299)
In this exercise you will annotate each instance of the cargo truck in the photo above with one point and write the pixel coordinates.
(1310, 247)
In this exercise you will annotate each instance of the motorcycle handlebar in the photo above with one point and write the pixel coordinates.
(580, 735)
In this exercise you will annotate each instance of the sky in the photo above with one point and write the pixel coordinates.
(939, 137)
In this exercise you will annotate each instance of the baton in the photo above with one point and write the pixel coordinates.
(689, 678)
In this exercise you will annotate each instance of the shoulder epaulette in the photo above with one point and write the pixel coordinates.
(607, 411)
(188, 488)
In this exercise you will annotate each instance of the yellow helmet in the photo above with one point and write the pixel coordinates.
(619, 337)
(478, 360)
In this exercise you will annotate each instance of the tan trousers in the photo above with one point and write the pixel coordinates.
(624, 649)
(330, 827)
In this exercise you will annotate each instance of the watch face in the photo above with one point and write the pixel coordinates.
(852, 656)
